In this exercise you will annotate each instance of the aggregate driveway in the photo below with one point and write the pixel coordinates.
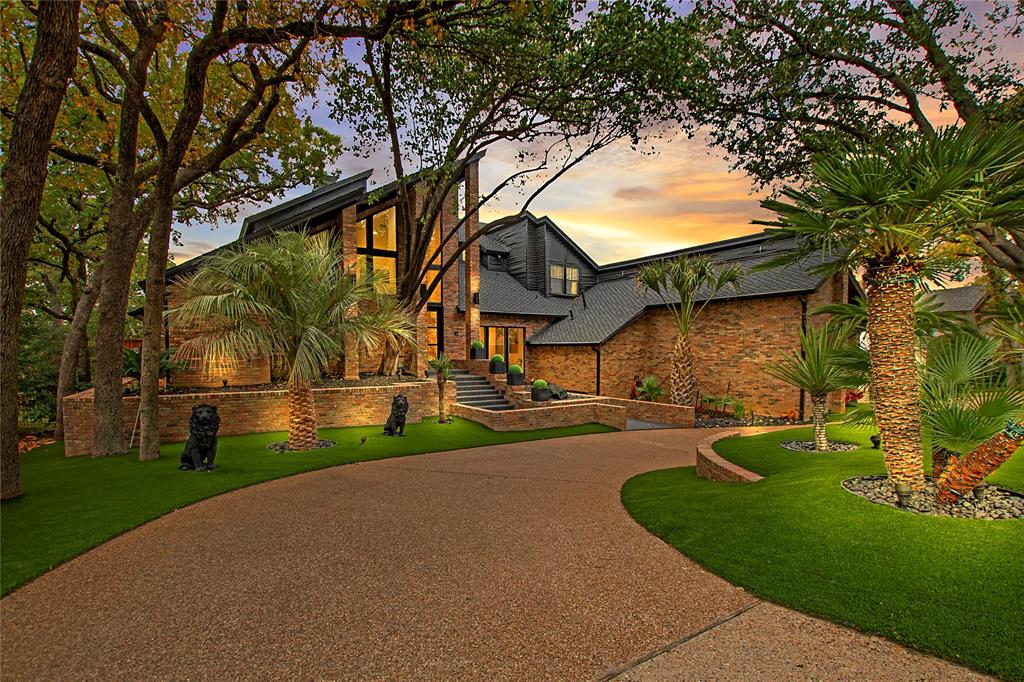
(508, 562)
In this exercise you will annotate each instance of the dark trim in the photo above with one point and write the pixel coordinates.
(803, 328)
(597, 381)
(700, 248)
(332, 197)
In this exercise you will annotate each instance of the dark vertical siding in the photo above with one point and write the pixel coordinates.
(559, 251)
(537, 268)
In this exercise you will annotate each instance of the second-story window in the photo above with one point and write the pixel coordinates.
(376, 246)
(565, 279)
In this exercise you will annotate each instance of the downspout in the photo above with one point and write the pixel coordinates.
(597, 349)
(803, 328)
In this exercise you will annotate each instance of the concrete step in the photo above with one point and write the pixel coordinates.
(486, 404)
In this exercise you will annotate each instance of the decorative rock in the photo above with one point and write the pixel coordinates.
(999, 503)
(809, 446)
(282, 446)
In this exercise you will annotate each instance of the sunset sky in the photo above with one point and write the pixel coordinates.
(618, 204)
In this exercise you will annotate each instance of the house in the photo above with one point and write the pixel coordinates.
(966, 300)
(530, 293)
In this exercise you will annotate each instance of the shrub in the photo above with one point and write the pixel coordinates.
(738, 409)
(497, 358)
(540, 383)
(477, 345)
(515, 369)
(650, 389)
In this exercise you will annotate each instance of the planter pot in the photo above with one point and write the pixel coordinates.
(540, 394)
(515, 379)
(477, 353)
(497, 367)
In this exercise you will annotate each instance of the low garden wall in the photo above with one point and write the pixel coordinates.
(714, 467)
(245, 412)
(548, 416)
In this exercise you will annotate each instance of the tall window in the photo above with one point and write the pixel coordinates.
(510, 342)
(434, 268)
(377, 246)
(565, 279)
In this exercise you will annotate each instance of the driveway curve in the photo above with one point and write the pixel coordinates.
(507, 562)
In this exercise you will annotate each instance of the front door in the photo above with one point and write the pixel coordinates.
(509, 342)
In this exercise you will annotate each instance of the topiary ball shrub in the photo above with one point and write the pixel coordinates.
(497, 364)
(540, 391)
(516, 369)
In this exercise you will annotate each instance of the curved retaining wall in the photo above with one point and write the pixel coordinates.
(712, 466)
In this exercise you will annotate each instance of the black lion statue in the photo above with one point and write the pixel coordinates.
(202, 439)
(395, 425)
(557, 392)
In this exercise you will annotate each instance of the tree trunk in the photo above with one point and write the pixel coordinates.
(940, 459)
(152, 332)
(301, 418)
(108, 399)
(969, 471)
(894, 388)
(389, 360)
(76, 341)
(682, 383)
(819, 413)
(442, 414)
(24, 177)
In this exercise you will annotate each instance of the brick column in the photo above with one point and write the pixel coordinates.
(347, 228)
(454, 343)
(472, 322)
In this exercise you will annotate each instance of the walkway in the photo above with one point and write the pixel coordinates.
(510, 562)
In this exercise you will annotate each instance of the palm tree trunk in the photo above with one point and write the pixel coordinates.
(969, 471)
(442, 415)
(940, 459)
(818, 415)
(894, 388)
(683, 384)
(301, 418)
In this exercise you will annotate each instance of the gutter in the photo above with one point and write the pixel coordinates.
(803, 328)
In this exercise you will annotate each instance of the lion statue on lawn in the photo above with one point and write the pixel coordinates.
(201, 446)
(395, 425)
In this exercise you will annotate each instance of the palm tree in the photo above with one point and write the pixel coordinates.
(681, 283)
(442, 366)
(888, 210)
(814, 370)
(929, 317)
(288, 297)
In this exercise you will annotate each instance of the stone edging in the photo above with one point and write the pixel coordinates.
(714, 467)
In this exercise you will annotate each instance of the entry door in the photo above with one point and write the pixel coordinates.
(515, 345)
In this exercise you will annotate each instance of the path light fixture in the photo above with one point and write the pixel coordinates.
(876, 442)
(980, 491)
(903, 495)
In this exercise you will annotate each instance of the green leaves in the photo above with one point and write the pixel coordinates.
(684, 281)
(814, 368)
(289, 296)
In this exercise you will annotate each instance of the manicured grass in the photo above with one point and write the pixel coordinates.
(952, 587)
(73, 504)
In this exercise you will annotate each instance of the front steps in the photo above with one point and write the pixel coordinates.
(477, 391)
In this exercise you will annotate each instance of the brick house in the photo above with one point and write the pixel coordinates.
(530, 293)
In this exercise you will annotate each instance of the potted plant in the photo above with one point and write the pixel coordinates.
(497, 364)
(515, 376)
(476, 351)
(539, 392)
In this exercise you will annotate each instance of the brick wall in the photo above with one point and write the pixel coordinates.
(199, 373)
(550, 416)
(257, 411)
(732, 343)
(574, 368)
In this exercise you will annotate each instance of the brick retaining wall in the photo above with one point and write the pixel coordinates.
(550, 416)
(256, 411)
(714, 467)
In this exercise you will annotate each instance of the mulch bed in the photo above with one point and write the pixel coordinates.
(368, 380)
(998, 503)
(706, 421)
(809, 446)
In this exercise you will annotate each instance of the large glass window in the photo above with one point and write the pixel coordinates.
(435, 332)
(376, 246)
(510, 342)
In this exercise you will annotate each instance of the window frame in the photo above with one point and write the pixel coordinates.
(370, 251)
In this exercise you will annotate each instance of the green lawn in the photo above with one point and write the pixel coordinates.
(73, 504)
(952, 587)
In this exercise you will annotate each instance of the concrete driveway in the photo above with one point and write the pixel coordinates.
(508, 562)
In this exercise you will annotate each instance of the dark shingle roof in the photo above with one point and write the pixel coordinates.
(603, 310)
(960, 299)
(491, 244)
(502, 294)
